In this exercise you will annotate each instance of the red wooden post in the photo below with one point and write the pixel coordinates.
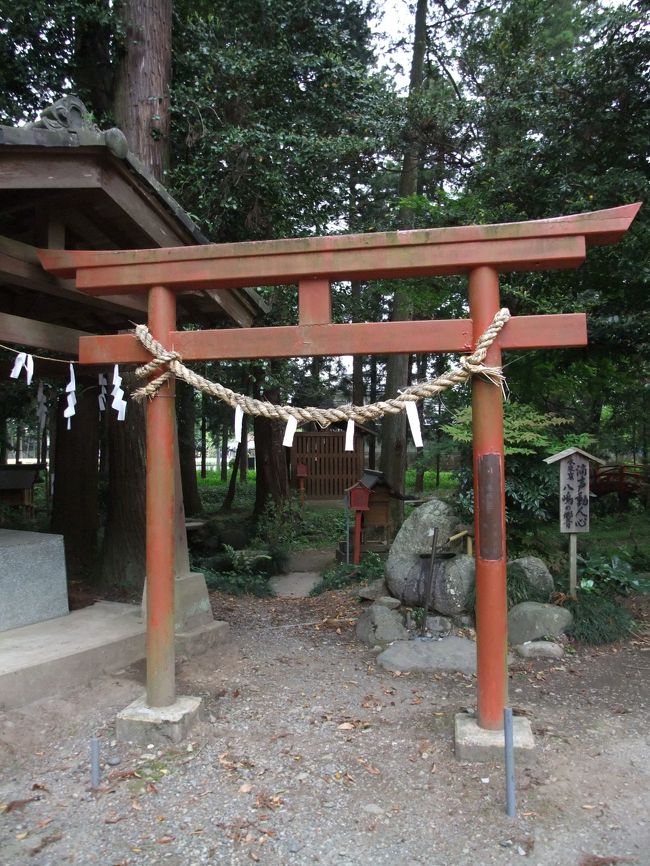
(489, 513)
(161, 689)
(357, 538)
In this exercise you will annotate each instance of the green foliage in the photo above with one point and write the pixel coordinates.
(531, 485)
(243, 573)
(526, 430)
(598, 619)
(344, 574)
(288, 526)
(518, 589)
(601, 574)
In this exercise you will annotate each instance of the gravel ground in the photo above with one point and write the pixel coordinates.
(310, 754)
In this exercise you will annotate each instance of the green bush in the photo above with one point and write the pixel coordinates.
(598, 619)
(609, 574)
(345, 574)
(241, 572)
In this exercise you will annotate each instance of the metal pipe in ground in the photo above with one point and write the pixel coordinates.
(509, 762)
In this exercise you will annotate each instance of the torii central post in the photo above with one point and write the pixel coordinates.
(480, 252)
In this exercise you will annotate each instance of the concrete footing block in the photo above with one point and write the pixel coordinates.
(141, 724)
(476, 744)
(201, 639)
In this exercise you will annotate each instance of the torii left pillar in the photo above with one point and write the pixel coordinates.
(160, 714)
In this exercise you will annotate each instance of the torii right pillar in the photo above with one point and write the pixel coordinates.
(489, 512)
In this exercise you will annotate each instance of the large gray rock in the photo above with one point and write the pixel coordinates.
(373, 591)
(407, 566)
(534, 573)
(540, 649)
(449, 654)
(453, 584)
(532, 620)
(380, 626)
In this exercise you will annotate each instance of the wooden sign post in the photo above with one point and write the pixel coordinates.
(574, 501)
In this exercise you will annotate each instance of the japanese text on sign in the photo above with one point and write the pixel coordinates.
(574, 494)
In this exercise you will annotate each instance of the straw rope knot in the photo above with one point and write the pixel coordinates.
(169, 363)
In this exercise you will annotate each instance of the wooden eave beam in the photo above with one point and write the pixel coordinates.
(445, 335)
(20, 266)
(40, 335)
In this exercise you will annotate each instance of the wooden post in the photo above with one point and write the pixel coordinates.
(357, 537)
(489, 513)
(161, 495)
(573, 565)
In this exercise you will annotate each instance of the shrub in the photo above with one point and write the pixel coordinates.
(346, 574)
(242, 572)
(598, 619)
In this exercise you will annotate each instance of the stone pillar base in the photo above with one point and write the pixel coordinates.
(480, 745)
(163, 726)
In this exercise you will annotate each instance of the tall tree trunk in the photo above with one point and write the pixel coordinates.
(358, 391)
(224, 453)
(243, 463)
(372, 444)
(393, 448)
(186, 420)
(271, 473)
(75, 499)
(141, 102)
(229, 498)
(204, 438)
(141, 109)
(123, 553)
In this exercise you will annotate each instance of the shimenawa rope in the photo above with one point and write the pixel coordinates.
(171, 364)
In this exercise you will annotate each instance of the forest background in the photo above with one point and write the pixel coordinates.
(282, 118)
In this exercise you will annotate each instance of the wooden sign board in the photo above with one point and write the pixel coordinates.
(574, 494)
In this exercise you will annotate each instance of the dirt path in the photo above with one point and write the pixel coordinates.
(311, 754)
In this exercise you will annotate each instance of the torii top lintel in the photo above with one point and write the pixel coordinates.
(535, 245)
(314, 262)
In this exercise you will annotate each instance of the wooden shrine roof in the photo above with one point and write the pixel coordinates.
(65, 184)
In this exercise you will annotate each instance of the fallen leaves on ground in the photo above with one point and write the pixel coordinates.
(232, 763)
(265, 800)
(596, 860)
(15, 805)
(368, 767)
(45, 841)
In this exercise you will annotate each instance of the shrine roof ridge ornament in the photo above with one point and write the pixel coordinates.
(558, 242)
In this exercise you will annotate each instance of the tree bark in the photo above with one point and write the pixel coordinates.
(141, 102)
(224, 454)
(229, 498)
(393, 449)
(141, 109)
(123, 553)
(75, 500)
(271, 473)
(186, 420)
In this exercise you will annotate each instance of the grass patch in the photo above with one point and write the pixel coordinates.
(598, 619)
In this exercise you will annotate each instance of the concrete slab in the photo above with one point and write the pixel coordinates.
(423, 656)
(33, 584)
(478, 745)
(298, 584)
(49, 657)
(141, 724)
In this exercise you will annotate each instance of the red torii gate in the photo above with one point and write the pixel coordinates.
(481, 252)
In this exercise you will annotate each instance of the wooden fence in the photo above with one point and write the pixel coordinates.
(330, 468)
